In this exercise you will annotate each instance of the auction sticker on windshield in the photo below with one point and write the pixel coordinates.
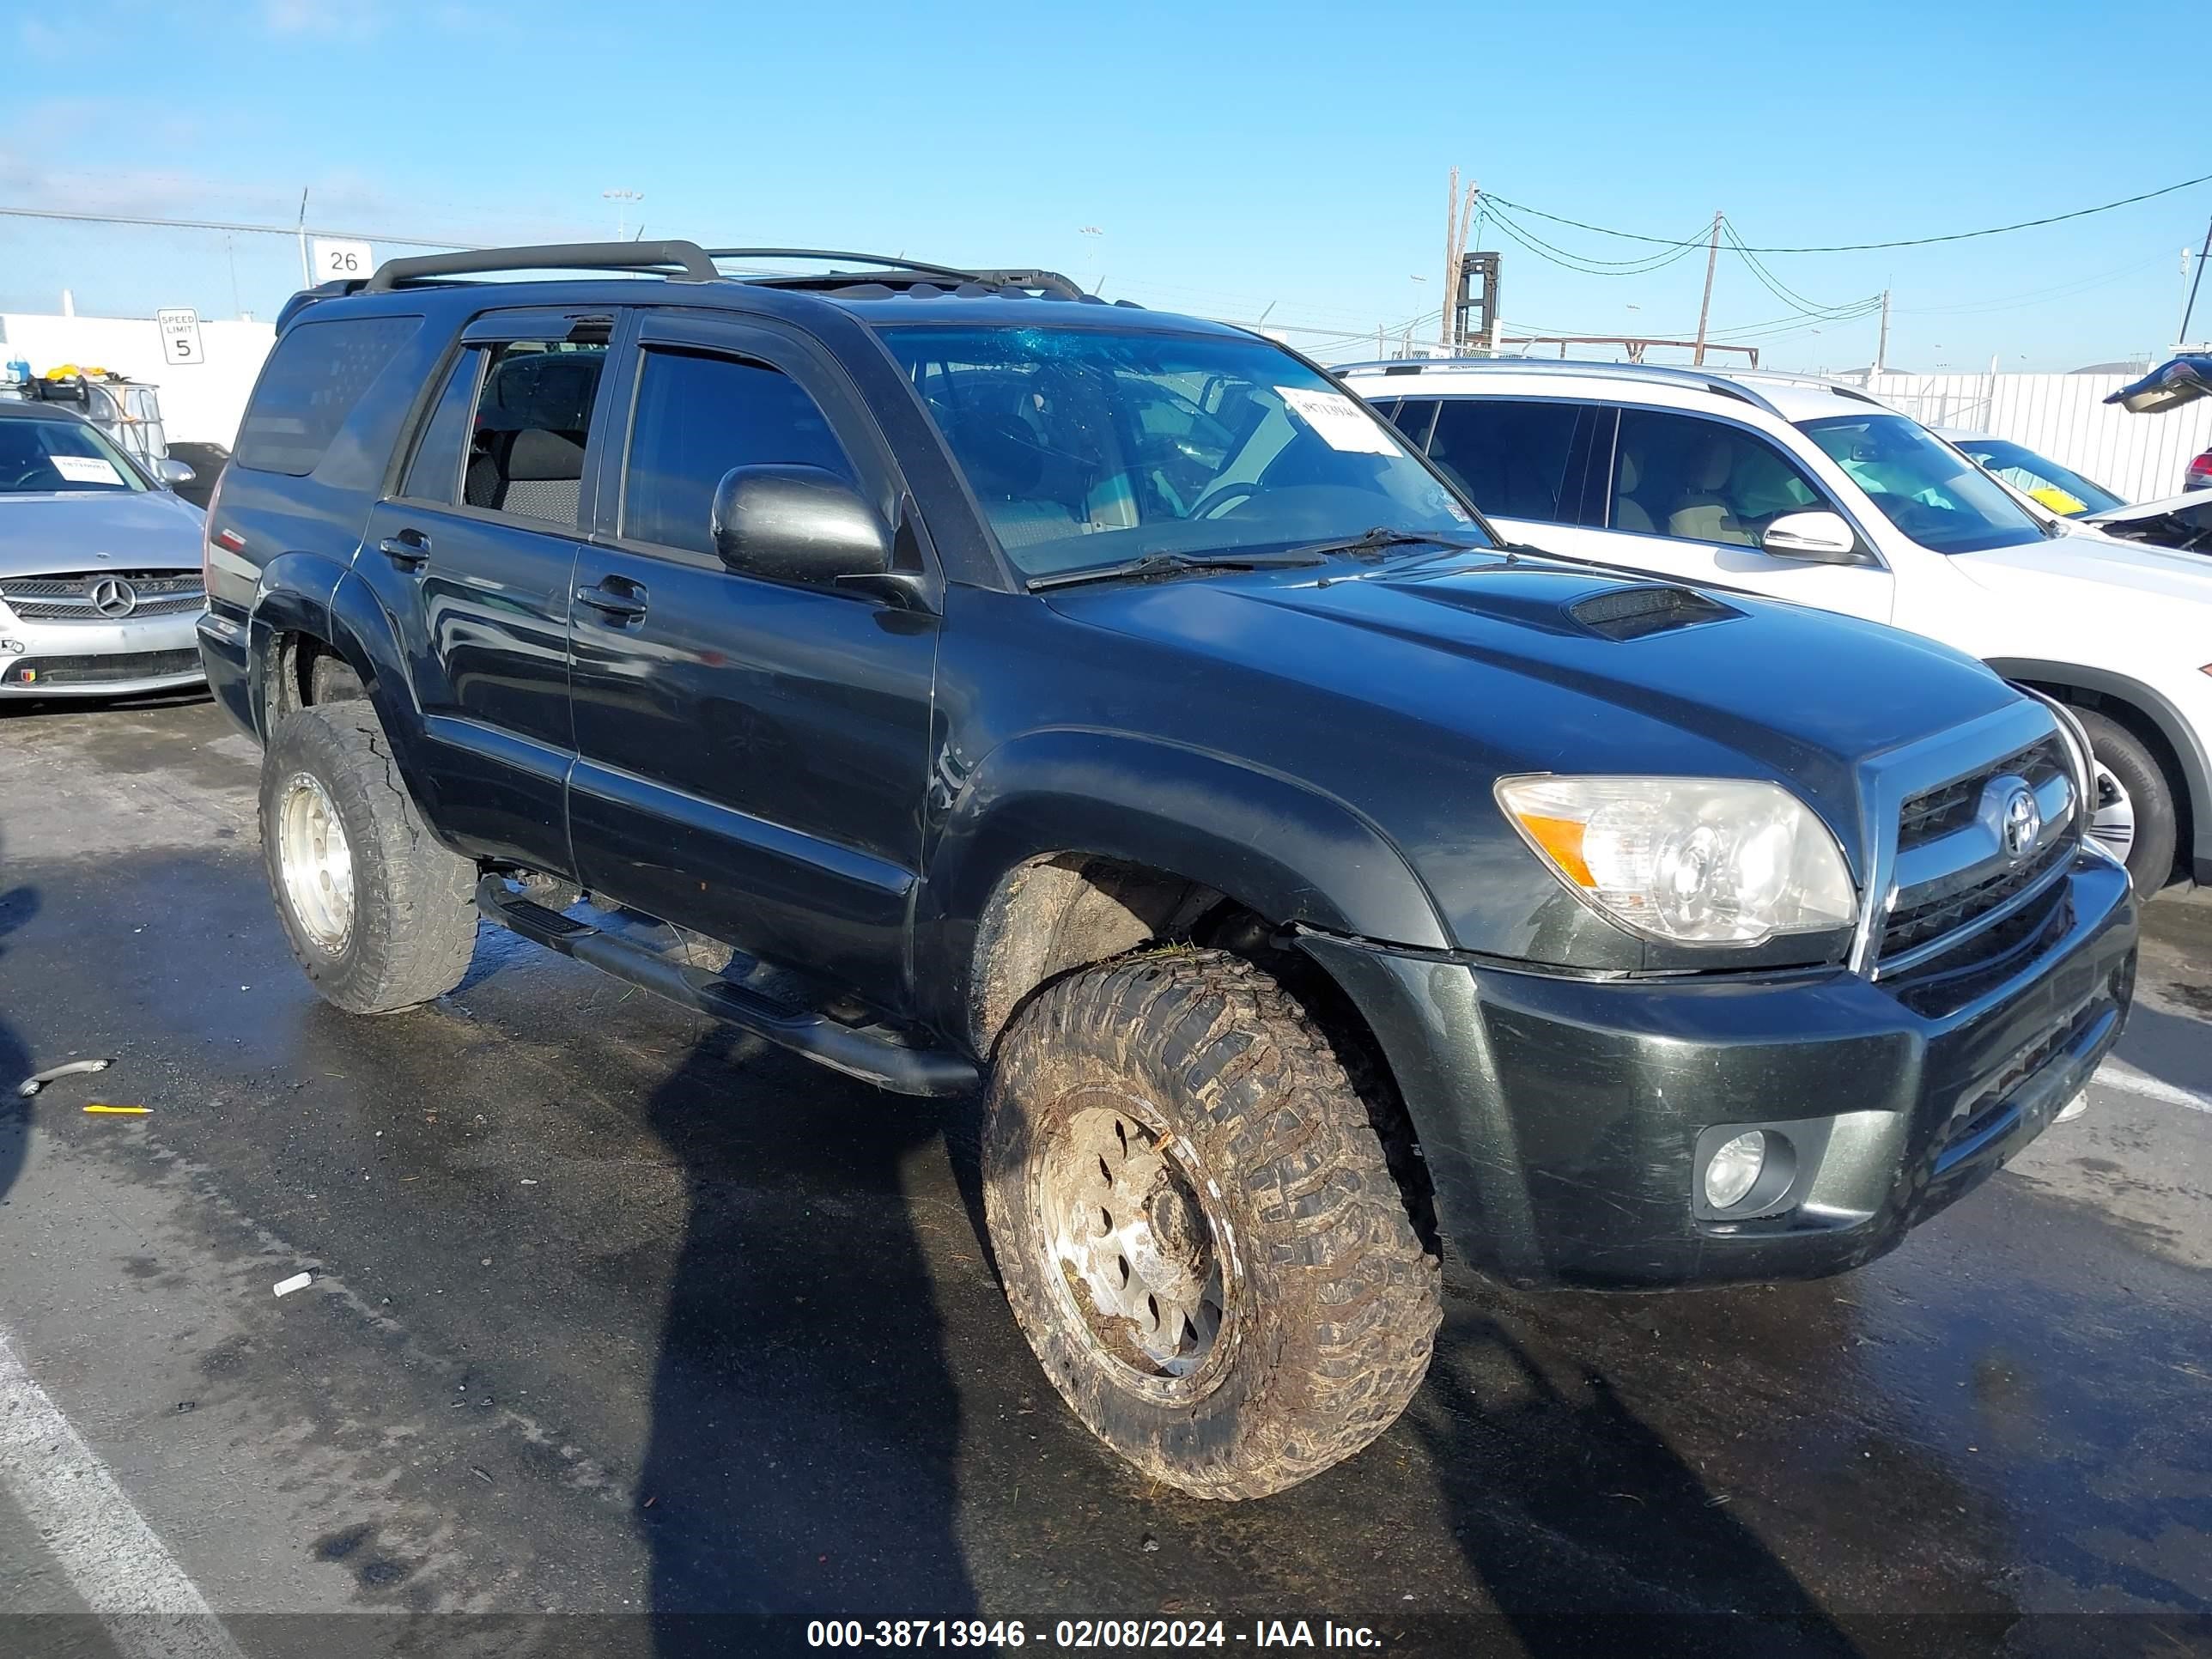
(85, 469)
(1341, 423)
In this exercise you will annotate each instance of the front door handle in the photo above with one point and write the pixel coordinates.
(409, 549)
(625, 603)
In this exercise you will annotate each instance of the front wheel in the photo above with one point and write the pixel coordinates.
(2133, 815)
(1197, 1226)
(380, 915)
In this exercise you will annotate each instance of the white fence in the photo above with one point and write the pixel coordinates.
(201, 401)
(2141, 457)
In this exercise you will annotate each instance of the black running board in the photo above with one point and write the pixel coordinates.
(875, 1054)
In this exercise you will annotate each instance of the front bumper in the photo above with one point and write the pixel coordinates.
(98, 659)
(1561, 1118)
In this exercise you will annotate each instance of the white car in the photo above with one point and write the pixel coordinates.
(2182, 522)
(1812, 492)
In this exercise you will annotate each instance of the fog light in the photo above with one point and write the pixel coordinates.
(1735, 1168)
(12, 647)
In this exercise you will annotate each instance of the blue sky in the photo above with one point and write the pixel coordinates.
(1288, 160)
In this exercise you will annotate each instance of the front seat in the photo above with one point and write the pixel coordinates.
(1703, 515)
(1628, 513)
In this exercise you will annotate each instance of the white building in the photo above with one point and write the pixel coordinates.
(201, 402)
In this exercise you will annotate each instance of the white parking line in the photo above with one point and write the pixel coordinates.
(2118, 1074)
(150, 1609)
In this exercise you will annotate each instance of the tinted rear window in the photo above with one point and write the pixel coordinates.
(312, 382)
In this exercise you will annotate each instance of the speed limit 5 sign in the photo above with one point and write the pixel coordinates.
(180, 335)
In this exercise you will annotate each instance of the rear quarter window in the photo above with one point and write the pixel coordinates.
(317, 373)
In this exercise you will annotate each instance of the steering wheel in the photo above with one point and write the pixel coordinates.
(20, 478)
(1219, 503)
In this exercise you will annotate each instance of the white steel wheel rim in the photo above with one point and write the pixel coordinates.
(2112, 814)
(1139, 1256)
(316, 861)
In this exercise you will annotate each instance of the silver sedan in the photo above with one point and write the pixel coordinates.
(100, 563)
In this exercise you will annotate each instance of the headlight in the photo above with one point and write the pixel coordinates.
(1697, 861)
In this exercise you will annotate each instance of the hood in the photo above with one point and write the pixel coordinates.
(2179, 521)
(1542, 667)
(2171, 384)
(2097, 571)
(79, 529)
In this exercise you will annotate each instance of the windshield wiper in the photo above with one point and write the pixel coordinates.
(1171, 564)
(1375, 540)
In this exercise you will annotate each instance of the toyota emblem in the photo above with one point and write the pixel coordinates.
(114, 598)
(2023, 823)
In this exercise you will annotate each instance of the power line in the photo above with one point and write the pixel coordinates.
(1573, 262)
(1866, 247)
(218, 224)
(1782, 291)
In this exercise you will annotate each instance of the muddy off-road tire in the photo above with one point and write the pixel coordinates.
(380, 915)
(1197, 1227)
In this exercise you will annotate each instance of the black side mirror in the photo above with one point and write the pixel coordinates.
(796, 523)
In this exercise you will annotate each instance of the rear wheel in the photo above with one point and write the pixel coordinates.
(2133, 815)
(1198, 1230)
(380, 915)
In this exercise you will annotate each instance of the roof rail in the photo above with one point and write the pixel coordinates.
(1723, 382)
(891, 263)
(1790, 377)
(689, 261)
(893, 268)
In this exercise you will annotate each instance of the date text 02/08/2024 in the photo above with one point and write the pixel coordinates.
(1086, 1633)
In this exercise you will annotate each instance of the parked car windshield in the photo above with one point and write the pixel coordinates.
(2040, 478)
(1089, 446)
(41, 457)
(1926, 488)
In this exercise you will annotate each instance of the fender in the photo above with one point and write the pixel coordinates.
(351, 621)
(1282, 849)
(2173, 725)
(292, 596)
(362, 632)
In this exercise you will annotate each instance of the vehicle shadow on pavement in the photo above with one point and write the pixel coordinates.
(2170, 1047)
(805, 1418)
(17, 906)
(1573, 1513)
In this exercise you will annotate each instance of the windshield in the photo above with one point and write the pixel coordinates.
(2040, 478)
(1089, 447)
(43, 457)
(1923, 485)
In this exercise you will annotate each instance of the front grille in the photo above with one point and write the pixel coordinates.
(1934, 908)
(107, 670)
(1935, 813)
(70, 598)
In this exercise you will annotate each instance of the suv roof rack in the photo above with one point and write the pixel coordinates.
(682, 261)
(1713, 380)
(685, 261)
(1788, 377)
(893, 272)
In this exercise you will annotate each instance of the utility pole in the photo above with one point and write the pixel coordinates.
(1705, 305)
(2190, 310)
(1881, 343)
(622, 198)
(307, 269)
(1459, 222)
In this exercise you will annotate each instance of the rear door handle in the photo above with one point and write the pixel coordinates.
(623, 604)
(409, 549)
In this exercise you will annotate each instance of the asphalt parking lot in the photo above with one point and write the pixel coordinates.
(613, 1313)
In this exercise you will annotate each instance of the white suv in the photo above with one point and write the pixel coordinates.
(1806, 490)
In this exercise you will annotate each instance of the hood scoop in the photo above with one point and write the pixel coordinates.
(1573, 602)
(1632, 613)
